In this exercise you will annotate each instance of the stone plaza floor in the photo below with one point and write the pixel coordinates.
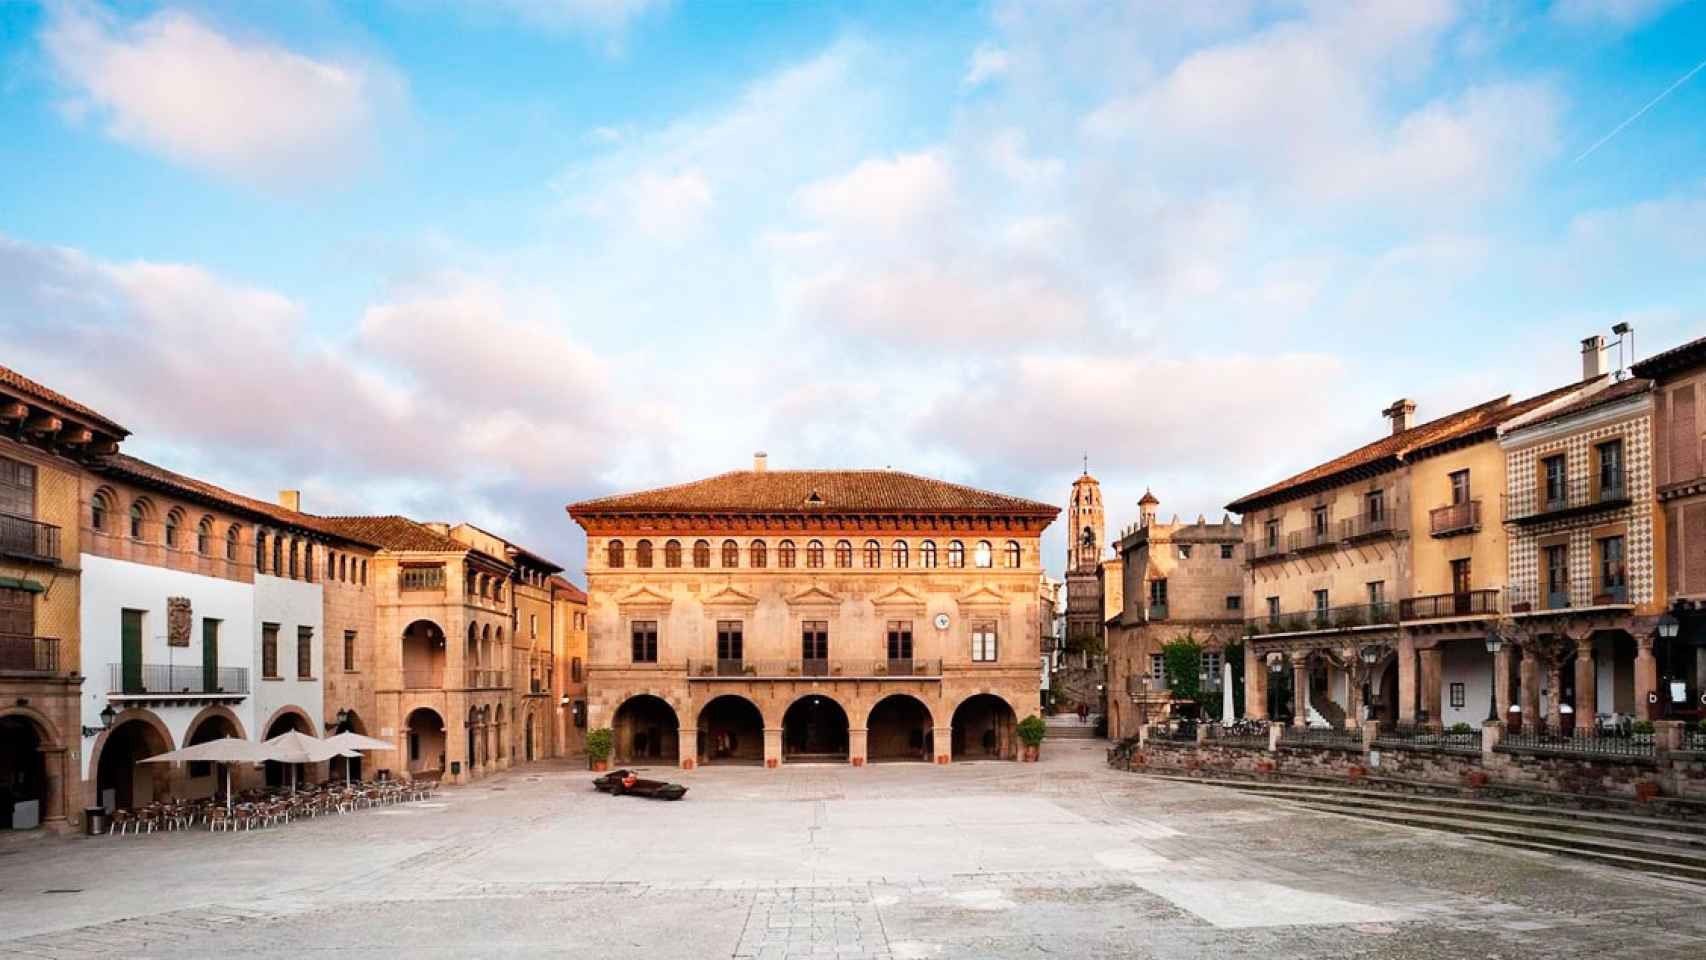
(1059, 859)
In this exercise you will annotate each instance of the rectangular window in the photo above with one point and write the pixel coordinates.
(1320, 522)
(1611, 469)
(1184, 551)
(533, 624)
(1554, 472)
(1158, 591)
(1460, 487)
(1374, 506)
(575, 670)
(983, 646)
(1320, 601)
(1557, 576)
(1211, 669)
(1377, 595)
(1157, 671)
(416, 578)
(17, 488)
(304, 652)
(269, 650)
(1612, 575)
(1272, 532)
(1460, 576)
(730, 641)
(414, 746)
(209, 655)
(17, 613)
(814, 642)
(349, 651)
(900, 639)
(1226, 551)
(1458, 695)
(1273, 608)
(1234, 602)
(645, 637)
(130, 650)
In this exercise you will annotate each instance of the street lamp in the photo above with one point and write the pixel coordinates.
(1495, 643)
(108, 715)
(1669, 626)
(1276, 665)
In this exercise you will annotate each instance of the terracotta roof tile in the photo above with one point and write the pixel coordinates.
(36, 391)
(1681, 357)
(1621, 390)
(130, 468)
(1395, 448)
(393, 533)
(814, 492)
(574, 593)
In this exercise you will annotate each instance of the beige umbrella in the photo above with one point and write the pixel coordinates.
(295, 747)
(355, 741)
(226, 751)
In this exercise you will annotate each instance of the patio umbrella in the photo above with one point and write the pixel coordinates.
(295, 747)
(355, 741)
(225, 751)
(1226, 689)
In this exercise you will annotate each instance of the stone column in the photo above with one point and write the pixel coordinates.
(1406, 680)
(1432, 659)
(856, 748)
(1354, 671)
(1502, 683)
(1300, 689)
(1529, 681)
(687, 750)
(1555, 706)
(1646, 678)
(944, 743)
(772, 747)
(55, 816)
(1255, 685)
(1586, 690)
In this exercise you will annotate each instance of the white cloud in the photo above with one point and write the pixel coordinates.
(987, 63)
(894, 192)
(1007, 152)
(606, 15)
(246, 109)
(1623, 14)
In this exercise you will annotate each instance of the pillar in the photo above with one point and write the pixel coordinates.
(943, 739)
(1255, 685)
(54, 812)
(772, 747)
(1502, 683)
(1431, 661)
(856, 748)
(1300, 689)
(1406, 680)
(687, 749)
(1354, 671)
(1646, 679)
(1586, 686)
(1529, 680)
(1555, 705)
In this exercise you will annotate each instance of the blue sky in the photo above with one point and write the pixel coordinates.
(472, 259)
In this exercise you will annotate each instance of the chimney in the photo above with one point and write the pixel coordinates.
(290, 500)
(1402, 413)
(1593, 358)
(760, 462)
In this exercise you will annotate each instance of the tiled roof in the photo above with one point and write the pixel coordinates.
(537, 559)
(1690, 354)
(1389, 451)
(574, 593)
(1622, 390)
(393, 533)
(36, 391)
(815, 491)
(130, 468)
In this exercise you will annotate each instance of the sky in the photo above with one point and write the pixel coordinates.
(477, 259)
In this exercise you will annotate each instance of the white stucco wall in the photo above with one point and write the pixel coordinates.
(290, 604)
(1470, 664)
(111, 586)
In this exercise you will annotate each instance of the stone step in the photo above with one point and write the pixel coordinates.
(1072, 733)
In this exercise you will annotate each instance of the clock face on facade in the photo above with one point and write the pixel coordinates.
(942, 621)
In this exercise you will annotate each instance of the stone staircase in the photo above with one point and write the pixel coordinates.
(1067, 727)
(1665, 847)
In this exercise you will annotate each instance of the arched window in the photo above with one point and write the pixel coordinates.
(956, 554)
(927, 554)
(174, 520)
(497, 590)
(343, 567)
(900, 555)
(331, 564)
(293, 551)
(260, 550)
(204, 535)
(137, 513)
(231, 537)
(873, 554)
(99, 506)
(308, 561)
(814, 554)
(364, 573)
(643, 553)
(983, 554)
(843, 553)
(613, 554)
(731, 553)
(785, 554)
(756, 555)
(277, 555)
(1014, 555)
(672, 553)
(482, 587)
(701, 554)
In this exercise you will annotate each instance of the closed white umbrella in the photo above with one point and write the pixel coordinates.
(1226, 693)
(227, 751)
(355, 741)
(295, 747)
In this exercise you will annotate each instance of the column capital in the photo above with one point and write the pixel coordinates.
(1584, 644)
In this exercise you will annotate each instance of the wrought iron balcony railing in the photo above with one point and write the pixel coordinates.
(1470, 603)
(1331, 618)
(160, 679)
(1367, 526)
(1303, 541)
(24, 538)
(29, 654)
(1260, 550)
(714, 668)
(1455, 518)
(1573, 498)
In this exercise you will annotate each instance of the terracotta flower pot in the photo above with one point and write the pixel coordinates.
(1030, 754)
(599, 766)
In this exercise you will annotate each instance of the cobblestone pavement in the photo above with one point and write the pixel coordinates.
(1059, 859)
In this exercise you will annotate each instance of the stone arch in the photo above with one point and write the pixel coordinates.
(984, 728)
(136, 730)
(293, 712)
(45, 730)
(646, 727)
(815, 727)
(424, 735)
(286, 718)
(422, 654)
(209, 712)
(32, 760)
(900, 726)
(730, 730)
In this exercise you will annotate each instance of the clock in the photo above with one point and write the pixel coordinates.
(942, 621)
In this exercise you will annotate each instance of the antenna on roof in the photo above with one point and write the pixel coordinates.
(1624, 332)
(1086, 463)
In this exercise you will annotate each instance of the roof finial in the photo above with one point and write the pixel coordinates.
(1086, 463)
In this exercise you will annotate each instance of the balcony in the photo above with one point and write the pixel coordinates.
(485, 679)
(29, 655)
(163, 683)
(1368, 526)
(1576, 498)
(1320, 620)
(1262, 550)
(874, 669)
(1472, 603)
(1157, 610)
(421, 579)
(1308, 541)
(1455, 519)
(22, 538)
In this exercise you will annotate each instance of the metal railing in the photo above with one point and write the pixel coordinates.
(1579, 495)
(1582, 744)
(1303, 541)
(421, 578)
(29, 655)
(1422, 738)
(1182, 731)
(1470, 603)
(1245, 733)
(1455, 518)
(1694, 740)
(1156, 611)
(1366, 526)
(1263, 550)
(1330, 618)
(1321, 737)
(141, 679)
(28, 539)
(713, 668)
(485, 679)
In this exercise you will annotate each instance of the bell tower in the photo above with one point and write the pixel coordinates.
(1084, 513)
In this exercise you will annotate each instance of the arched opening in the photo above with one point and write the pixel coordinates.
(426, 742)
(473, 727)
(202, 779)
(1385, 705)
(423, 656)
(899, 728)
(983, 729)
(279, 774)
(23, 773)
(527, 738)
(647, 729)
(814, 730)
(122, 780)
(731, 730)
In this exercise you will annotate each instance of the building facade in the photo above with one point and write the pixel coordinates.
(1183, 582)
(792, 616)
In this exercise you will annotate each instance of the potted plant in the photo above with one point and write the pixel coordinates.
(598, 744)
(1032, 730)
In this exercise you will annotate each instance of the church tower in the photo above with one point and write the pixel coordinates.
(1084, 514)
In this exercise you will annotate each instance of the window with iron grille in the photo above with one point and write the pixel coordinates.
(645, 641)
(1459, 695)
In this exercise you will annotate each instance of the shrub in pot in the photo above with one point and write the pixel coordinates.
(1032, 730)
(599, 742)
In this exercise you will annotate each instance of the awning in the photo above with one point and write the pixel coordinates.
(19, 583)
